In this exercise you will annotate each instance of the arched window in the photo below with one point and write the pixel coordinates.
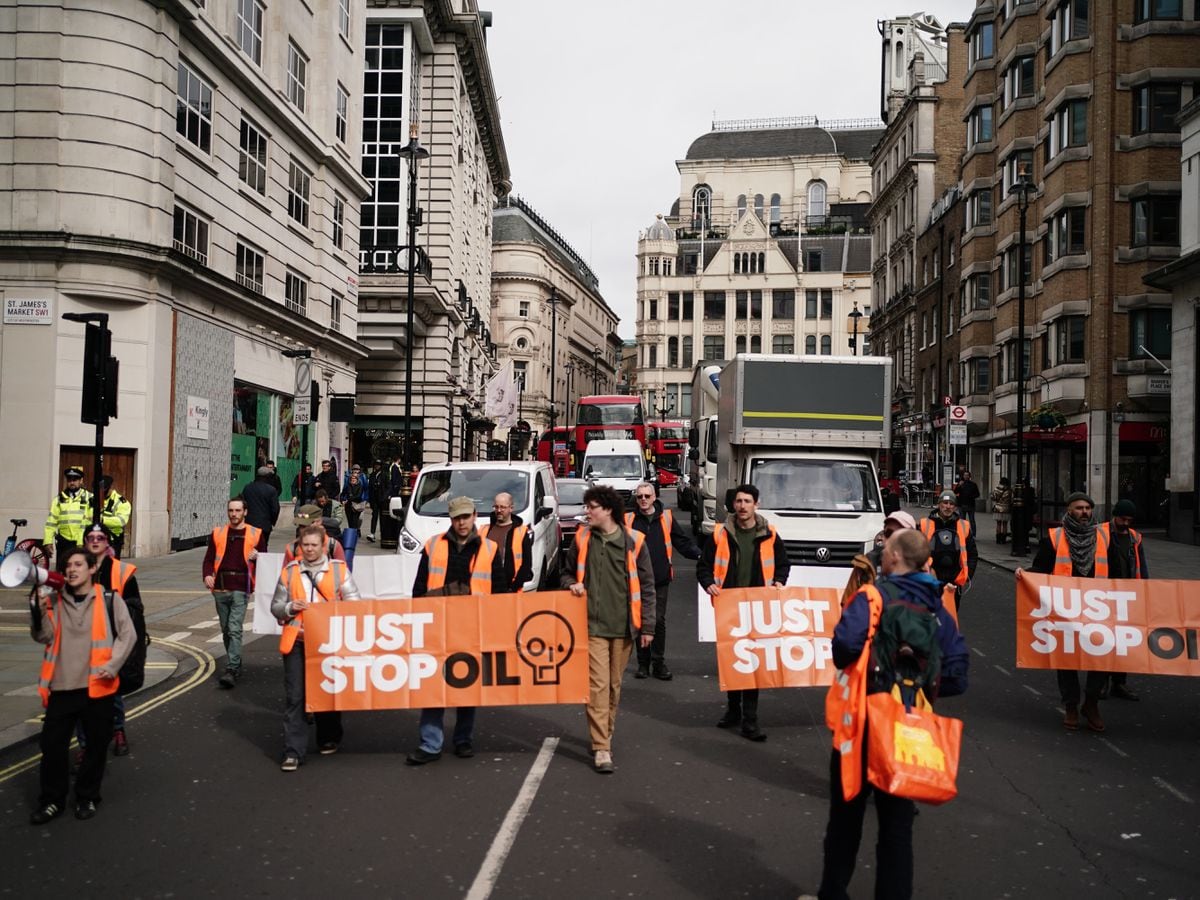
(816, 200)
(775, 201)
(737, 264)
(755, 343)
(741, 205)
(686, 362)
(826, 345)
(810, 345)
(701, 207)
(762, 262)
(758, 205)
(740, 344)
(899, 60)
(673, 352)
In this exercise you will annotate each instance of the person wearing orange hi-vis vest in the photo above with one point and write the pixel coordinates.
(514, 545)
(611, 566)
(952, 548)
(228, 571)
(84, 651)
(458, 563)
(663, 538)
(745, 551)
(313, 578)
(1078, 548)
(904, 556)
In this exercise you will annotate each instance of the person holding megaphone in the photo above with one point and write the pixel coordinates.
(85, 649)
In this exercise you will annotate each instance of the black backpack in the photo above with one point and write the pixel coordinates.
(133, 671)
(905, 649)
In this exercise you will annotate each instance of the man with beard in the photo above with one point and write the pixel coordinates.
(1126, 559)
(69, 512)
(1078, 548)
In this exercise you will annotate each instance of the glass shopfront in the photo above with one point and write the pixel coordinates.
(263, 430)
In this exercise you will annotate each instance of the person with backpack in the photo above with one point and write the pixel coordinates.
(313, 578)
(896, 628)
(118, 577)
(85, 647)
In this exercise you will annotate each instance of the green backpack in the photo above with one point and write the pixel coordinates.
(905, 649)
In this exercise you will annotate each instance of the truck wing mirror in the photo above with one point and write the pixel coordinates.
(693, 437)
(729, 495)
(694, 455)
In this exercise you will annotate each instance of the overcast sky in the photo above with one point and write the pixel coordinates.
(598, 100)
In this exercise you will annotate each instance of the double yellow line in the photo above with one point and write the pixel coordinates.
(205, 666)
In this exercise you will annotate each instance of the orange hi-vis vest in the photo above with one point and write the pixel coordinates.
(101, 655)
(721, 556)
(846, 705)
(437, 549)
(1062, 553)
(119, 574)
(584, 534)
(666, 520)
(963, 532)
(1106, 529)
(518, 548)
(323, 590)
(220, 536)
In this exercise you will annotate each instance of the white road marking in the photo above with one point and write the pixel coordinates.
(208, 623)
(215, 639)
(1114, 748)
(489, 872)
(1032, 690)
(978, 652)
(1001, 669)
(1171, 790)
(178, 636)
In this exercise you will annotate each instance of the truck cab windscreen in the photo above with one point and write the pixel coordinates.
(815, 485)
(614, 467)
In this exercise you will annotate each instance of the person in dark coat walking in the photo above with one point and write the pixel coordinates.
(262, 504)
(664, 536)
(968, 492)
(378, 495)
(274, 479)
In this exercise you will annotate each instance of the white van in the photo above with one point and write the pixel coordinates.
(619, 464)
(535, 500)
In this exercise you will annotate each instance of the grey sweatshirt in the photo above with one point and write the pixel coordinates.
(74, 655)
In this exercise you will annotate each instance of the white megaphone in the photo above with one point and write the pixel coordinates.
(18, 569)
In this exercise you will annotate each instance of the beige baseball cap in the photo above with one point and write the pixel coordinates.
(461, 506)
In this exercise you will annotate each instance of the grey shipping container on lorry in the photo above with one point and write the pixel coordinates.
(807, 402)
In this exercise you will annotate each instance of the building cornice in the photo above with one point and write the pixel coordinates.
(166, 262)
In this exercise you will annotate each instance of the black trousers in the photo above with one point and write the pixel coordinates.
(1068, 686)
(374, 518)
(744, 703)
(58, 726)
(61, 547)
(893, 851)
(117, 542)
(657, 650)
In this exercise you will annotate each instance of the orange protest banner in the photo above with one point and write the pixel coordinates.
(503, 650)
(775, 637)
(1104, 625)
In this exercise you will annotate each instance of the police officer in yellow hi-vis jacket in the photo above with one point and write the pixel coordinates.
(313, 578)
(115, 512)
(69, 513)
(459, 562)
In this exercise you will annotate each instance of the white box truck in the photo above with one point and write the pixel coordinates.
(699, 494)
(807, 432)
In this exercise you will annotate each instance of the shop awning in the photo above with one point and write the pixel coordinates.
(1068, 434)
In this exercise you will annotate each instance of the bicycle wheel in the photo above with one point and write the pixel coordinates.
(35, 551)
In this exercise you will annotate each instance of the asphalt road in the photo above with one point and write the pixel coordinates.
(200, 806)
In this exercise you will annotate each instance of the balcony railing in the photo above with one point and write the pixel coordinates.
(394, 261)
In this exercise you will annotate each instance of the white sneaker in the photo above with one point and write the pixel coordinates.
(603, 762)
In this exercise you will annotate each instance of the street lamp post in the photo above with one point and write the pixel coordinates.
(301, 354)
(855, 315)
(1021, 188)
(595, 370)
(553, 358)
(413, 152)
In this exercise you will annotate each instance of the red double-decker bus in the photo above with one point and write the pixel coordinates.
(608, 418)
(668, 444)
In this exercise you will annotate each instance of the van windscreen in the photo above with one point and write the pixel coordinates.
(437, 488)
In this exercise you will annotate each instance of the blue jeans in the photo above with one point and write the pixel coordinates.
(432, 734)
(231, 611)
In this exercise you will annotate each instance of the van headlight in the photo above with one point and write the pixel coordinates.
(408, 542)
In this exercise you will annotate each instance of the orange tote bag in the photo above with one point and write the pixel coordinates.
(912, 753)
